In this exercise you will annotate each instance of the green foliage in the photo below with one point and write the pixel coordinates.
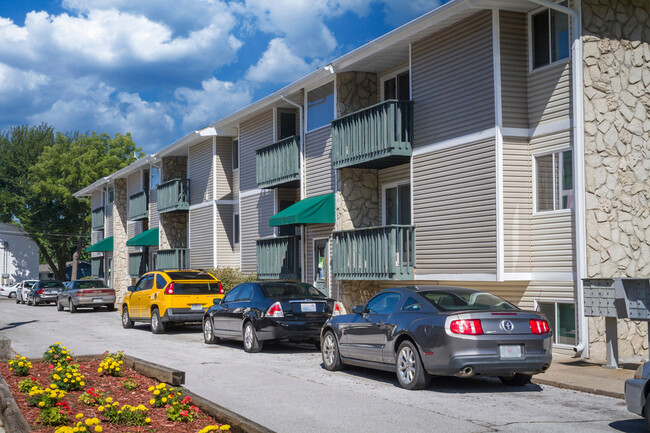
(183, 411)
(92, 397)
(26, 384)
(125, 415)
(57, 353)
(230, 277)
(54, 417)
(130, 384)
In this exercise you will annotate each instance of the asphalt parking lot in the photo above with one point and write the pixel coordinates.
(286, 389)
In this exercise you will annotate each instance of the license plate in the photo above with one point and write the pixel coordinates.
(510, 351)
(50, 292)
(308, 308)
(196, 307)
(97, 299)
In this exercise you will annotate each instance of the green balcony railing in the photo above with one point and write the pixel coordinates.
(97, 267)
(138, 206)
(278, 258)
(138, 264)
(376, 253)
(278, 163)
(178, 258)
(375, 137)
(174, 195)
(97, 219)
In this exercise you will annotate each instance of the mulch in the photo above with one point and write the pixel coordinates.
(113, 387)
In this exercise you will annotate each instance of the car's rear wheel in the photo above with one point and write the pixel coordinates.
(251, 343)
(516, 379)
(208, 331)
(330, 352)
(409, 368)
(73, 309)
(157, 325)
(12, 295)
(126, 320)
(59, 307)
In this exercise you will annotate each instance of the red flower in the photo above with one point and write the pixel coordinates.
(50, 367)
(184, 413)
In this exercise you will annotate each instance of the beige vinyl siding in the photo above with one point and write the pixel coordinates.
(398, 174)
(235, 184)
(514, 68)
(96, 236)
(315, 231)
(224, 169)
(549, 93)
(96, 200)
(227, 252)
(154, 218)
(253, 134)
(200, 170)
(133, 228)
(318, 162)
(454, 203)
(552, 233)
(133, 186)
(254, 221)
(108, 220)
(452, 81)
(201, 238)
(548, 291)
(517, 204)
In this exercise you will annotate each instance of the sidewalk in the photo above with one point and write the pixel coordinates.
(582, 375)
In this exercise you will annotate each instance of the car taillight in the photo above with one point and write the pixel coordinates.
(170, 289)
(337, 309)
(220, 288)
(40, 291)
(539, 326)
(275, 310)
(467, 327)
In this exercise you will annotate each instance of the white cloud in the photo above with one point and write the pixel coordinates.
(14, 81)
(279, 65)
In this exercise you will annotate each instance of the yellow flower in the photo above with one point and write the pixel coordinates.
(79, 415)
(225, 427)
(109, 399)
(82, 428)
(98, 429)
(95, 421)
(147, 420)
(57, 343)
(82, 384)
(100, 408)
(152, 402)
(99, 370)
(21, 363)
(150, 388)
(41, 403)
(164, 399)
(75, 430)
(23, 358)
(156, 392)
(89, 422)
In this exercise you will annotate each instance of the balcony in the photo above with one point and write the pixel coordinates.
(174, 195)
(138, 264)
(278, 258)
(278, 164)
(178, 258)
(375, 137)
(376, 253)
(97, 219)
(138, 206)
(97, 267)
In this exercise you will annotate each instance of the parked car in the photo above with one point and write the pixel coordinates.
(9, 291)
(174, 296)
(44, 292)
(23, 288)
(85, 293)
(434, 330)
(636, 392)
(273, 310)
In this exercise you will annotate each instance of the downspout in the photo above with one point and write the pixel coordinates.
(302, 181)
(578, 167)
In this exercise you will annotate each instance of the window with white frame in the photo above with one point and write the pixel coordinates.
(562, 317)
(397, 86)
(397, 204)
(235, 228)
(320, 106)
(554, 181)
(154, 177)
(549, 37)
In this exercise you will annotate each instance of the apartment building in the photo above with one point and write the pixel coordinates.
(498, 145)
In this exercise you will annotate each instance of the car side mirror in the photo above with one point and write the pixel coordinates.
(131, 288)
(357, 309)
(217, 301)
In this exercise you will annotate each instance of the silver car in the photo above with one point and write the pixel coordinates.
(86, 293)
(44, 292)
(23, 289)
(636, 390)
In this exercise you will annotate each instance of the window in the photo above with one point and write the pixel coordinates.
(397, 204)
(160, 281)
(246, 293)
(411, 305)
(155, 177)
(550, 37)
(232, 295)
(562, 317)
(383, 304)
(459, 299)
(554, 181)
(287, 127)
(398, 87)
(235, 154)
(235, 228)
(320, 106)
(110, 194)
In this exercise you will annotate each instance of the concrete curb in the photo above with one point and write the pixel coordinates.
(573, 387)
(13, 419)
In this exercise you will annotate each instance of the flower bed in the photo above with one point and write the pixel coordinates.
(64, 395)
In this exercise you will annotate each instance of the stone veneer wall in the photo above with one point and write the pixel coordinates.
(174, 167)
(354, 91)
(616, 59)
(121, 277)
(173, 225)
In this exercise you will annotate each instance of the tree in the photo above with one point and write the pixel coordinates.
(42, 204)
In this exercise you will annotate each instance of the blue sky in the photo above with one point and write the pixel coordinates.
(162, 68)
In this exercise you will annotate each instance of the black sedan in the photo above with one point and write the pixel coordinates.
(44, 292)
(434, 330)
(271, 310)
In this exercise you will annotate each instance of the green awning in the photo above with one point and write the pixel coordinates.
(312, 210)
(105, 244)
(147, 237)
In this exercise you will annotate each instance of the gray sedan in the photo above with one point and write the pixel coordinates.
(44, 292)
(636, 390)
(86, 293)
(423, 331)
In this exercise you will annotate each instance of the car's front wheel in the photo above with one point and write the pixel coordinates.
(409, 368)
(12, 295)
(73, 309)
(208, 331)
(516, 379)
(330, 351)
(157, 325)
(59, 307)
(251, 343)
(126, 320)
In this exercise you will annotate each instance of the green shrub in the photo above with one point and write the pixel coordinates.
(230, 277)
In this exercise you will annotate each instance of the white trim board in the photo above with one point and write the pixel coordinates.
(456, 277)
(539, 130)
(250, 192)
(453, 142)
(498, 141)
(211, 202)
(539, 276)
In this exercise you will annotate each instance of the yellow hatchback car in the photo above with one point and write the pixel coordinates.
(164, 297)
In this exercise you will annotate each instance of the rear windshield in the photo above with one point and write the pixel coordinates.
(190, 276)
(51, 285)
(460, 300)
(91, 285)
(29, 284)
(290, 291)
(196, 288)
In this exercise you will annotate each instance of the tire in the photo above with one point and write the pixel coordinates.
(646, 412)
(409, 369)
(110, 307)
(330, 352)
(17, 300)
(516, 379)
(126, 319)
(157, 325)
(249, 337)
(59, 307)
(73, 309)
(12, 295)
(208, 331)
